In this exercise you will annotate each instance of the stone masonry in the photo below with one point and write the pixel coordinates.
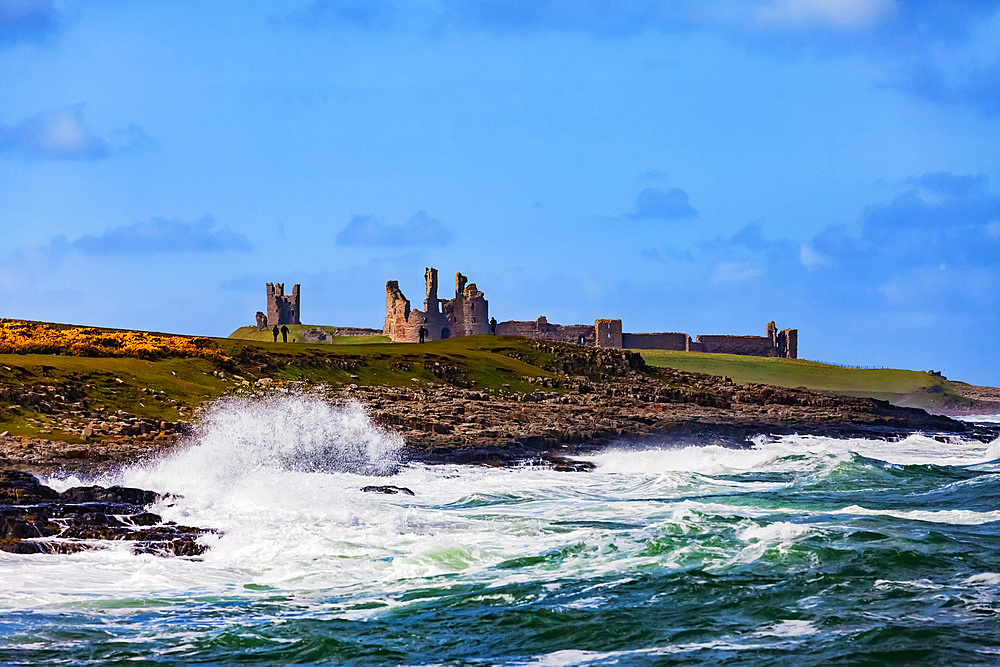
(282, 309)
(465, 315)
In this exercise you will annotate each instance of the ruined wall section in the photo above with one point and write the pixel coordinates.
(608, 333)
(402, 323)
(788, 343)
(656, 341)
(758, 346)
(466, 315)
(397, 313)
(540, 329)
(282, 308)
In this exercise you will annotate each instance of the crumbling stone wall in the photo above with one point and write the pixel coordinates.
(282, 309)
(540, 329)
(656, 341)
(788, 343)
(468, 314)
(776, 343)
(465, 315)
(261, 321)
(758, 346)
(608, 333)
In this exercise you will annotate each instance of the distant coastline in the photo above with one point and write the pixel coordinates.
(486, 399)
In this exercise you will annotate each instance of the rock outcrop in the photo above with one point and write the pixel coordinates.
(36, 519)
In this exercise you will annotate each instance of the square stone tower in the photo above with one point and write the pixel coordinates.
(282, 309)
(608, 333)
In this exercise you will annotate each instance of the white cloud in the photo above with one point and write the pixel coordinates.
(157, 236)
(735, 272)
(58, 134)
(812, 259)
(844, 14)
(420, 230)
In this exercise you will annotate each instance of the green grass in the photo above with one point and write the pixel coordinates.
(901, 387)
(296, 333)
(168, 389)
(172, 384)
(476, 362)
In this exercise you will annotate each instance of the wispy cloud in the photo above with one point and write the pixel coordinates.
(420, 230)
(891, 21)
(844, 14)
(366, 14)
(62, 134)
(973, 84)
(58, 134)
(930, 250)
(27, 20)
(657, 204)
(157, 236)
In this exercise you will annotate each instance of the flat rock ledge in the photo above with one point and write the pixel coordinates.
(36, 519)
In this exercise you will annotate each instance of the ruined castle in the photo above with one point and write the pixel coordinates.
(468, 314)
(465, 315)
(281, 309)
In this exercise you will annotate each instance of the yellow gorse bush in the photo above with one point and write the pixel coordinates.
(20, 337)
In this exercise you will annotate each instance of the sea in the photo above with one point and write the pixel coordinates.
(797, 550)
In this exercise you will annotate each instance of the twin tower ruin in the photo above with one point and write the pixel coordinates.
(465, 315)
(468, 314)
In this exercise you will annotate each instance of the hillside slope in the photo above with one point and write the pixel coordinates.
(900, 387)
(471, 399)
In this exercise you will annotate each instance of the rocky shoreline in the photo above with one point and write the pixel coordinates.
(588, 399)
(591, 398)
(35, 518)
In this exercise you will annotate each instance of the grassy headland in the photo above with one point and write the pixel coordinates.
(117, 383)
(41, 393)
(899, 387)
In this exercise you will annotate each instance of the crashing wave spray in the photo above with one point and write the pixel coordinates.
(238, 437)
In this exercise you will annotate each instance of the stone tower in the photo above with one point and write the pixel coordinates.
(608, 333)
(282, 309)
(465, 315)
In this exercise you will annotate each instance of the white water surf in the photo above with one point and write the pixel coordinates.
(281, 481)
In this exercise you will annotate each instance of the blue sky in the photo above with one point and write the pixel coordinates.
(684, 165)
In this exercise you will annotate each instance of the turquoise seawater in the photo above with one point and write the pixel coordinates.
(799, 550)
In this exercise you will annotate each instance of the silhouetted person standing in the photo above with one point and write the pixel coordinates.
(423, 333)
(493, 326)
(284, 333)
(275, 332)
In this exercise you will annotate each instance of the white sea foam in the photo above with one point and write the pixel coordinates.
(239, 437)
(958, 517)
(802, 453)
(982, 419)
(778, 532)
(789, 628)
(281, 479)
(984, 579)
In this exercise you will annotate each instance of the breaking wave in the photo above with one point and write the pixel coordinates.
(240, 437)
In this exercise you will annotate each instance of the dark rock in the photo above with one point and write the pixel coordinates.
(82, 517)
(21, 488)
(388, 488)
(113, 494)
